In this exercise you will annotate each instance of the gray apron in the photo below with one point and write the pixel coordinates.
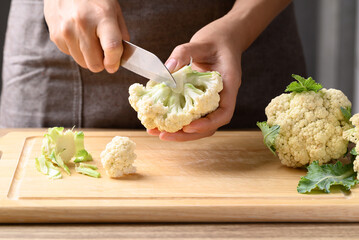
(43, 87)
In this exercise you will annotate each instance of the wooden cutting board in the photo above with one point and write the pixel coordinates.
(230, 177)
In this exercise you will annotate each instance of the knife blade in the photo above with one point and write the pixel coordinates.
(146, 64)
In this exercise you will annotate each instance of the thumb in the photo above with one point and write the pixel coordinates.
(183, 53)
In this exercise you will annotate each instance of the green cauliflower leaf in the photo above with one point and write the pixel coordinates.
(327, 175)
(347, 113)
(303, 85)
(269, 134)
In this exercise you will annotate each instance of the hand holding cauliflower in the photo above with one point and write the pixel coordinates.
(167, 109)
(118, 157)
(307, 124)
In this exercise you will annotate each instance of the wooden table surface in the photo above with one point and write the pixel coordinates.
(180, 231)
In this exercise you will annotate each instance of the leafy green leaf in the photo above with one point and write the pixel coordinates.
(303, 85)
(347, 113)
(269, 134)
(353, 152)
(88, 171)
(327, 175)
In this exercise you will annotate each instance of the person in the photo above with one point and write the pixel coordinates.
(62, 67)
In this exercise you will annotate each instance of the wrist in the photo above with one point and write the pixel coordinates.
(247, 19)
(237, 31)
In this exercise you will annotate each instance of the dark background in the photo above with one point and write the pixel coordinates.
(328, 32)
(4, 10)
(306, 18)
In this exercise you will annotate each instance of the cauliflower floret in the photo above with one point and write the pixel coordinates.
(118, 157)
(159, 106)
(353, 136)
(311, 126)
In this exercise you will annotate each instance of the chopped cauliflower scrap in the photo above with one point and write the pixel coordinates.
(118, 157)
(159, 106)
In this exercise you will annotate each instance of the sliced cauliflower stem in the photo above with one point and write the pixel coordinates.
(352, 135)
(310, 122)
(118, 157)
(59, 147)
(159, 106)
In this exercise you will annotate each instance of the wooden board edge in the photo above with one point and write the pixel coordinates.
(264, 213)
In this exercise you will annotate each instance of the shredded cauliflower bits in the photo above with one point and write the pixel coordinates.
(118, 157)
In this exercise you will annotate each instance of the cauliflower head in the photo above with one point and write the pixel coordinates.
(352, 135)
(118, 157)
(307, 125)
(159, 106)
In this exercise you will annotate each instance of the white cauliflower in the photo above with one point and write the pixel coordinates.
(159, 106)
(118, 157)
(307, 124)
(352, 135)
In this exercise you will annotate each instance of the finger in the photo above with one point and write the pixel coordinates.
(73, 47)
(92, 53)
(123, 26)
(223, 114)
(153, 132)
(182, 54)
(181, 136)
(57, 36)
(213, 120)
(60, 44)
(108, 31)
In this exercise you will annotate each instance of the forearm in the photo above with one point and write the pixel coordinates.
(248, 18)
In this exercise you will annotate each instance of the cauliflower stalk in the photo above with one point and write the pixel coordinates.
(118, 157)
(59, 148)
(307, 124)
(159, 106)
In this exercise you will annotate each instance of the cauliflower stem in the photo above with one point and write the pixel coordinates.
(59, 147)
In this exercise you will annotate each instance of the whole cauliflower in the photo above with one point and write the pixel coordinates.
(352, 135)
(167, 109)
(118, 157)
(307, 124)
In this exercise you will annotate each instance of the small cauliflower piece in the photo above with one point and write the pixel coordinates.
(352, 135)
(311, 124)
(159, 106)
(118, 157)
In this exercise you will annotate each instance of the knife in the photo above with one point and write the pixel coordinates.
(146, 64)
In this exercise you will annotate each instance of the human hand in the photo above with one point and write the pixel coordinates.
(211, 48)
(91, 31)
